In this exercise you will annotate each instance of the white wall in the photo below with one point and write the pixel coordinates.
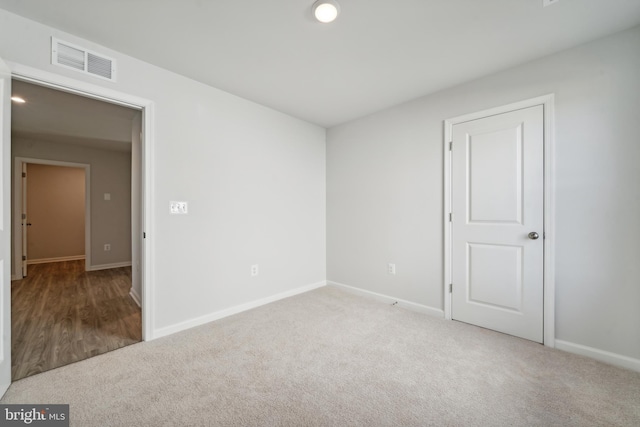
(110, 173)
(254, 179)
(385, 190)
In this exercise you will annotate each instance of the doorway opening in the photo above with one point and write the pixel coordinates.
(52, 205)
(77, 291)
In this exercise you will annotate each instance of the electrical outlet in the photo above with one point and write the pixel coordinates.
(254, 270)
(178, 208)
(107, 247)
(392, 268)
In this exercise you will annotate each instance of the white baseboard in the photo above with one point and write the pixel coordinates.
(390, 300)
(135, 297)
(55, 259)
(601, 355)
(187, 324)
(108, 266)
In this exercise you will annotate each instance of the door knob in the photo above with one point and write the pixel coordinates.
(533, 235)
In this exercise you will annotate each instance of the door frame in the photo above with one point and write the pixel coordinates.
(147, 142)
(547, 101)
(18, 200)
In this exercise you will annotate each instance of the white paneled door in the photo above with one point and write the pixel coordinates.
(497, 224)
(5, 224)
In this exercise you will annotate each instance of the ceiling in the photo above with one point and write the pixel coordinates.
(378, 53)
(52, 115)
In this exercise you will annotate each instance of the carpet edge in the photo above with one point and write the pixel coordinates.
(436, 312)
(201, 320)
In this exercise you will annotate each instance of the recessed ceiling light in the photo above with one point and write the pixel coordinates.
(326, 11)
(18, 100)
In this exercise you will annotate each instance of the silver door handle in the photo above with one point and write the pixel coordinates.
(533, 235)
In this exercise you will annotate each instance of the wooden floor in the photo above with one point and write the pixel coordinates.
(62, 314)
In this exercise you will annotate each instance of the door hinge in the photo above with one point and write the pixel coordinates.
(24, 174)
(24, 258)
(450, 145)
(144, 235)
(450, 288)
(24, 216)
(450, 217)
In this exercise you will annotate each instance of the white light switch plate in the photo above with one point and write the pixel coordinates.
(107, 196)
(178, 208)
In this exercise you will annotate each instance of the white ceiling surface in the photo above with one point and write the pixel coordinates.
(378, 53)
(56, 116)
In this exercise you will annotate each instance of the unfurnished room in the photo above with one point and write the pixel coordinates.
(320, 213)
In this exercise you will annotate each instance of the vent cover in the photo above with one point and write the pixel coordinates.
(77, 58)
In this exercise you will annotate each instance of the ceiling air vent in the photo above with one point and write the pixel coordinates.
(80, 59)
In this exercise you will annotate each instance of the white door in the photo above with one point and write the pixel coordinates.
(5, 230)
(497, 165)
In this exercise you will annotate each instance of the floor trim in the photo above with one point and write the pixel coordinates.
(55, 259)
(168, 330)
(108, 266)
(135, 297)
(601, 355)
(391, 300)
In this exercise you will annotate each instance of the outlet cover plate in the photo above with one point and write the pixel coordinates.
(178, 208)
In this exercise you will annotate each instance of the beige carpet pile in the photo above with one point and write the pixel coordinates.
(329, 358)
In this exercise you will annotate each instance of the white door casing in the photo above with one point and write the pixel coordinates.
(59, 82)
(498, 190)
(24, 221)
(5, 228)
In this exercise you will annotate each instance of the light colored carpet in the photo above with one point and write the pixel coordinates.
(329, 358)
